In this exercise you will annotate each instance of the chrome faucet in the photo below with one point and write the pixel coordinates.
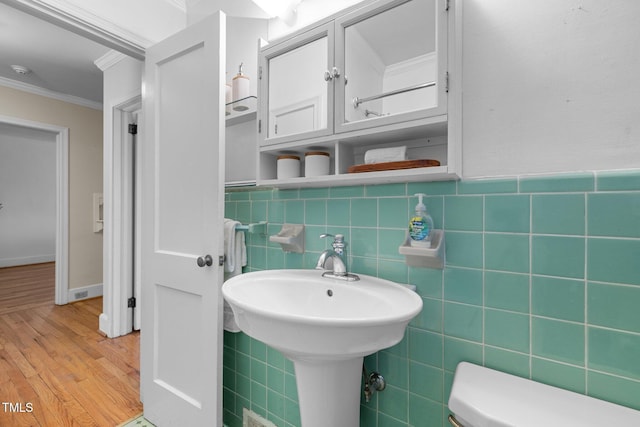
(335, 259)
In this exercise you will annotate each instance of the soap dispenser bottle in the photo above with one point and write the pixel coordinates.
(240, 90)
(420, 225)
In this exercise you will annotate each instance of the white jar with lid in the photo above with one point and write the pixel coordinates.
(288, 166)
(316, 163)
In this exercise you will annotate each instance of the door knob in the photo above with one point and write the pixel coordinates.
(206, 260)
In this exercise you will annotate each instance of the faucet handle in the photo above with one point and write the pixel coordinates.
(338, 238)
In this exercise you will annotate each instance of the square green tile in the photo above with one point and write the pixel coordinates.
(275, 211)
(558, 340)
(506, 361)
(506, 330)
(559, 183)
(314, 193)
(614, 306)
(346, 192)
(456, 351)
(463, 249)
(425, 347)
(613, 260)
(423, 410)
(614, 214)
(432, 188)
(463, 285)
(463, 213)
(364, 213)
(614, 389)
(558, 375)
(463, 321)
(558, 214)
(396, 271)
(315, 212)
(294, 211)
(507, 213)
(364, 242)
(558, 256)
(507, 291)
(488, 186)
(385, 190)
(430, 317)
(506, 252)
(435, 208)
(388, 242)
(393, 212)
(428, 281)
(288, 194)
(558, 298)
(618, 180)
(614, 352)
(426, 381)
(395, 403)
(395, 368)
(338, 212)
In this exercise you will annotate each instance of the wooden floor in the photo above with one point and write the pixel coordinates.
(55, 368)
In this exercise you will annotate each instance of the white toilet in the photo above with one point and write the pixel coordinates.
(483, 397)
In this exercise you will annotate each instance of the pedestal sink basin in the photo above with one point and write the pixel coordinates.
(325, 326)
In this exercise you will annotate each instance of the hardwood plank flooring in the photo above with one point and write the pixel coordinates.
(56, 369)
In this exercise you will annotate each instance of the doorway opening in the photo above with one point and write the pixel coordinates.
(61, 259)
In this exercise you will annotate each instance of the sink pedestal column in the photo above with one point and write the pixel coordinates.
(329, 392)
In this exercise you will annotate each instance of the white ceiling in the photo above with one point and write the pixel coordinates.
(60, 60)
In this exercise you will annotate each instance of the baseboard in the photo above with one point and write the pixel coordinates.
(36, 259)
(85, 292)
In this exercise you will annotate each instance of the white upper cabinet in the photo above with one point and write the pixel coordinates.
(394, 61)
(374, 76)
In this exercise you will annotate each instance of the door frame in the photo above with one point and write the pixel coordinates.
(121, 257)
(62, 201)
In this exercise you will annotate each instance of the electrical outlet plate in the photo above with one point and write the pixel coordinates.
(251, 419)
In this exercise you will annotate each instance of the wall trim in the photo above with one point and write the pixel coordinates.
(77, 294)
(25, 87)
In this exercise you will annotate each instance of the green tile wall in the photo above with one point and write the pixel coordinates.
(542, 280)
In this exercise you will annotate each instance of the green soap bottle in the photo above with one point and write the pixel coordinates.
(420, 225)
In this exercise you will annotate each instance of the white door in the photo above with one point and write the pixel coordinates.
(182, 220)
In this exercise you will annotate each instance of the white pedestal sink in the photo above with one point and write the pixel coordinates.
(325, 326)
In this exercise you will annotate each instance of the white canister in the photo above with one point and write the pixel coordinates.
(288, 166)
(316, 163)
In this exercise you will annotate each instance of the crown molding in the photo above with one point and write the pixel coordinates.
(79, 21)
(25, 87)
(109, 59)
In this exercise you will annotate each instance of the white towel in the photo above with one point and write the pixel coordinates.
(382, 155)
(235, 251)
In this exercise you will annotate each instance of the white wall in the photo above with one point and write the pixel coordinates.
(550, 86)
(28, 195)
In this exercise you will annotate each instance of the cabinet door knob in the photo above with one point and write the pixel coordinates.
(335, 72)
(206, 260)
(328, 76)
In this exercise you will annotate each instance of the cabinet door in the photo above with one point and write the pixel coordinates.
(297, 87)
(393, 56)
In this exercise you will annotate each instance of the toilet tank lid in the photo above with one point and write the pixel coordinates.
(483, 397)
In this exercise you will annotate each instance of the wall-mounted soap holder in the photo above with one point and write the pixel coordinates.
(291, 238)
(432, 257)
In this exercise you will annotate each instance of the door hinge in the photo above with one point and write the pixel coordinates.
(131, 302)
(221, 260)
(133, 129)
(260, 72)
(259, 126)
(446, 82)
(447, 5)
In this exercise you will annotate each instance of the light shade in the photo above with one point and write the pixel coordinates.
(277, 7)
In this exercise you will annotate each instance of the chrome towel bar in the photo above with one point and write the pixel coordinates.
(357, 101)
(454, 422)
